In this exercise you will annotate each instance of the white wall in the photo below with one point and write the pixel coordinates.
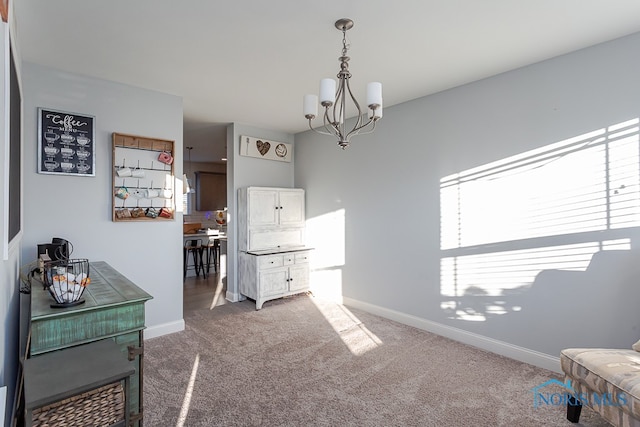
(379, 200)
(79, 208)
(244, 171)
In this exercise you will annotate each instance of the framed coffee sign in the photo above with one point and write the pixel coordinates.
(66, 143)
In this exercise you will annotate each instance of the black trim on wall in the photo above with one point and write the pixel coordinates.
(15, 100)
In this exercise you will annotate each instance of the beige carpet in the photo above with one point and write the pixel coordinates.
(302, 361)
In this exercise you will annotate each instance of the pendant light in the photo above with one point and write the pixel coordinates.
(186, 185)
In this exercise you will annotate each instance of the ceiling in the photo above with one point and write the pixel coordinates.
(252, 61)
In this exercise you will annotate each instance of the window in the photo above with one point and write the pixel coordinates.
(187, 204)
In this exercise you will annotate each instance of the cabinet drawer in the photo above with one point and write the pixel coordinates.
(302, 257)
(271, 261)
(75, 327)
(288, 259)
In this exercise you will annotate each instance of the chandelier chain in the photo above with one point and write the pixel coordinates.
(345, 46)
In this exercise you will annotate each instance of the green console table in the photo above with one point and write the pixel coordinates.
(113, 309)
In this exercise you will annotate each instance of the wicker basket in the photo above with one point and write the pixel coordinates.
(103, 406)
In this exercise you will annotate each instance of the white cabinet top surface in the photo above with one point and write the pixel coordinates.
(280, 250)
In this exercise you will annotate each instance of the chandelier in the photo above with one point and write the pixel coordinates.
(334, 100)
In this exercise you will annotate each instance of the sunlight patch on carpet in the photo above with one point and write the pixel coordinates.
(187, 395)
(216, 296)
(354, 334)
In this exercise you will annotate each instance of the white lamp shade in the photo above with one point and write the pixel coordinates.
(374, 93)
(310, 105)
(185, 184)
(327, 90)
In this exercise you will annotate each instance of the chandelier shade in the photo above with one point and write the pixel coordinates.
(335, 96)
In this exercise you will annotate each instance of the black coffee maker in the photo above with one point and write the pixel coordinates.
(59, 249)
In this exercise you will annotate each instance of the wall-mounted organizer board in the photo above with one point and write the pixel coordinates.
(143, 186)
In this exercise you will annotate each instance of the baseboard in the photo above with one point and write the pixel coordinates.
(164, 329)
(3, 401)
(234, 296)
(502, 348)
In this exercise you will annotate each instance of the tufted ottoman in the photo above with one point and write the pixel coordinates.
(606, 380)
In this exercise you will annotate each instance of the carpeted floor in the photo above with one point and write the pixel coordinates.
(302, 361)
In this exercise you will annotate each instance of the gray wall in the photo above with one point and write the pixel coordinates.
(244, 171)
(9, 312)
(9, 271)
(79, 208)
(380, 201)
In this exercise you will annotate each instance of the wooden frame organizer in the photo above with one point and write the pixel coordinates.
(143, 186)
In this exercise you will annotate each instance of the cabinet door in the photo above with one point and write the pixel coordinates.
(263, 207)
(266, 238)
(134, 340)
(298, 277)
(273, 282)
(291, 207)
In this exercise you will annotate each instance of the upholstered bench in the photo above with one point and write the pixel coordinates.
(606, 380)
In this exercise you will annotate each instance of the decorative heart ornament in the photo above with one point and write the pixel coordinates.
(263, 147)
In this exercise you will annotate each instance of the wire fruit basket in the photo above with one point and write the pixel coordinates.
(66, 280)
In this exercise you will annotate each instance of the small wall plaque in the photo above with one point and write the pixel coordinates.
(265, 149)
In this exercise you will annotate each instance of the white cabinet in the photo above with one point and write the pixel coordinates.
(270, 218)
(270, 276)
(273, 261)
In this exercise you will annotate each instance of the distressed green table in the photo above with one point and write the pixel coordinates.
(113, 309)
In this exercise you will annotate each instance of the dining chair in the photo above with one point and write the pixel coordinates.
(213, 253)
(196, 249)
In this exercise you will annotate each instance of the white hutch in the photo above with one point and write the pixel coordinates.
(273, 261)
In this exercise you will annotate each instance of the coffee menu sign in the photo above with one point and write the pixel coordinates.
(66, 143)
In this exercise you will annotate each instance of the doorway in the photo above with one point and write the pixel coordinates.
(205, 212)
